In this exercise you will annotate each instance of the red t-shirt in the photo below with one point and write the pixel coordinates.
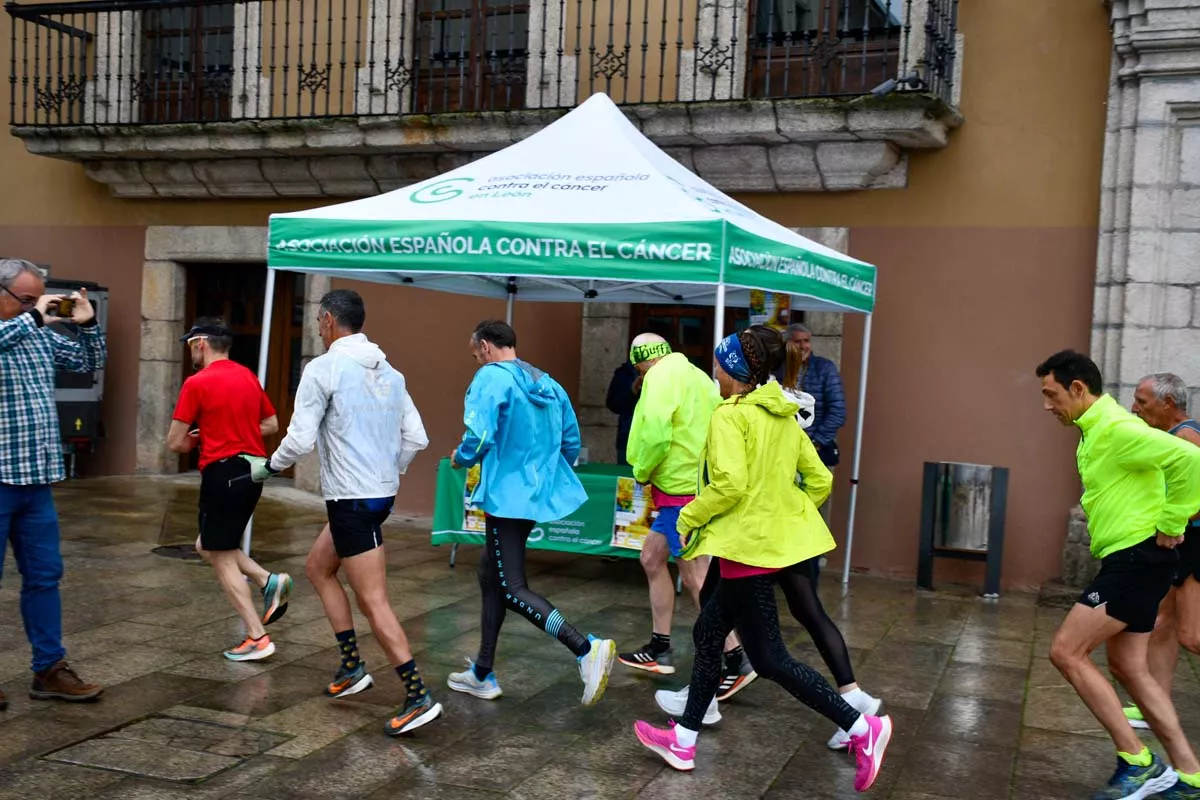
(225, 401)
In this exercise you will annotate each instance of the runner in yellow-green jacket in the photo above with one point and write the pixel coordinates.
(753, 517)
(666, 443)
(1140, 487)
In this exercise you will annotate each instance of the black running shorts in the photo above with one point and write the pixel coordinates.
(1131, 583)
(227, 501)
(1189, 555)
(356, 524)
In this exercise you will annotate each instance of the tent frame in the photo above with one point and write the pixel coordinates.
(719, 333)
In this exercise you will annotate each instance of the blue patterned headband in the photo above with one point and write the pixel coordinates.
(733, 360)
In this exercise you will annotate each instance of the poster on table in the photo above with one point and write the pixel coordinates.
(473, 516)
(770, 308)
(633, 515)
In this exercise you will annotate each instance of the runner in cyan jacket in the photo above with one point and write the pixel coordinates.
(354, 407)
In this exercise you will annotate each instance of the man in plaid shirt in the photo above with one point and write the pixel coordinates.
(31, 458)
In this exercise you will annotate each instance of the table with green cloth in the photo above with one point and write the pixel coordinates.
(612, 522)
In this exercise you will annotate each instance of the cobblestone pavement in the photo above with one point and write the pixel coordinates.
(979, 711)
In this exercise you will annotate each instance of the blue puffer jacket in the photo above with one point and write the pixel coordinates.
(522, 428)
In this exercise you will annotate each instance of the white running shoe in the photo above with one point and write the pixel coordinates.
(467, 683)
(865, 705)
(675, 703)
(595, 667)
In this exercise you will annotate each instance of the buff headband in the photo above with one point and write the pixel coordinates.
(733, 360)
(646, 352)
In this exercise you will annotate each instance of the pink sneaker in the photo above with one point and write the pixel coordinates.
(869, 750)
(666, 744)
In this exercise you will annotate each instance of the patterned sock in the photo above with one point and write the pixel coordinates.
(1192, 780)
(659, 643)
(1142, 759)
(348, 649)
(414, 687)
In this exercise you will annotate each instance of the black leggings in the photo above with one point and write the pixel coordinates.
(748, 604)
(502, 584)
(799, 584)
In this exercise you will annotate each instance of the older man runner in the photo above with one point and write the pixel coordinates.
(1140, 487)
(523, 433)
(666, 443)
(355, 408)
(232, 414)
(1161, 401)
(31, 459)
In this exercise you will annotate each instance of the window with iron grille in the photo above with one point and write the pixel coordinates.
(471, 55)
(186, 63)
(821, 48)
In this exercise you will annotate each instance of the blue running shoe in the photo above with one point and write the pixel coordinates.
(348, 682)
(1131, 782)
(1180, 791)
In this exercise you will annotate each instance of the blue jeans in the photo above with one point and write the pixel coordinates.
(29, 522)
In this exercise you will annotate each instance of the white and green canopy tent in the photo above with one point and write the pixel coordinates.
(587, 209)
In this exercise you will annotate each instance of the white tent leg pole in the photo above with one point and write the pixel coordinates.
(858, 435)
(508, 308)
(719, 319)
(264, 347)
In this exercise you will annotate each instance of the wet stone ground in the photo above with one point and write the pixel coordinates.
(979, 711)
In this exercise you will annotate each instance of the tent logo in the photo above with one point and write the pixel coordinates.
(439, 192)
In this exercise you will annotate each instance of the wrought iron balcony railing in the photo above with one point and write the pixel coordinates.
(122, 62)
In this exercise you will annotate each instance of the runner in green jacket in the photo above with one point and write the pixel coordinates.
(1140, 486)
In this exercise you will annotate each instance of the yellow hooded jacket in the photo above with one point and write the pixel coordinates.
(751, 510)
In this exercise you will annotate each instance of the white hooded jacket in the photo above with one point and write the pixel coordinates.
(356, 409)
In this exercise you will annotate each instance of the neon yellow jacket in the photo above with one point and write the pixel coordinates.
(751, 511)
(1123, 463)
(666, 440)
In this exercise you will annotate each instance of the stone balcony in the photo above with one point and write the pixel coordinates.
(375, 102)
(737, 145)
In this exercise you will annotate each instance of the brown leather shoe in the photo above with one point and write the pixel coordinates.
(61, 683)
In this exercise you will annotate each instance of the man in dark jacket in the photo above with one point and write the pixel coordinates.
(820, 378)
(622, 398)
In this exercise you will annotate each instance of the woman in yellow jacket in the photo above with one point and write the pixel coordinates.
(756, 520)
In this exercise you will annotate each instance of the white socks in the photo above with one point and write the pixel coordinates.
(860, 726)
(687, 738)
(857, 698)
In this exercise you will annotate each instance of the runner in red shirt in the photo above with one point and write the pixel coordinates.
(225, 410)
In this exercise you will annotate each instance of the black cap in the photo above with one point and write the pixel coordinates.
(201, 329)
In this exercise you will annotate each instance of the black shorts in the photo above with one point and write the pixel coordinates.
(1131, 583)
(1189, 556)
(356, 524)
(227, 501)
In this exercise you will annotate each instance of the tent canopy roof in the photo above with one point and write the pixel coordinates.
(587, 208)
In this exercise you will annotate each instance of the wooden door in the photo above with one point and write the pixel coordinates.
(234, 292)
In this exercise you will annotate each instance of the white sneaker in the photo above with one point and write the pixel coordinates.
(467, 683)
(675, 703)
(595, 667)
(865, 704)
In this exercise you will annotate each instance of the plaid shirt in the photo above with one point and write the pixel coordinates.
(30, 440)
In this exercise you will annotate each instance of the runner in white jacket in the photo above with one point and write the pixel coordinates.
(354, 407)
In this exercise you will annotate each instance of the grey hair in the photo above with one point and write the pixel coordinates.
(796, 327)
(10, 268)
(1168, 386)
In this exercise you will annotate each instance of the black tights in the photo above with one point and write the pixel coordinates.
(748, 604)
(502, 585)
(799, 584)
